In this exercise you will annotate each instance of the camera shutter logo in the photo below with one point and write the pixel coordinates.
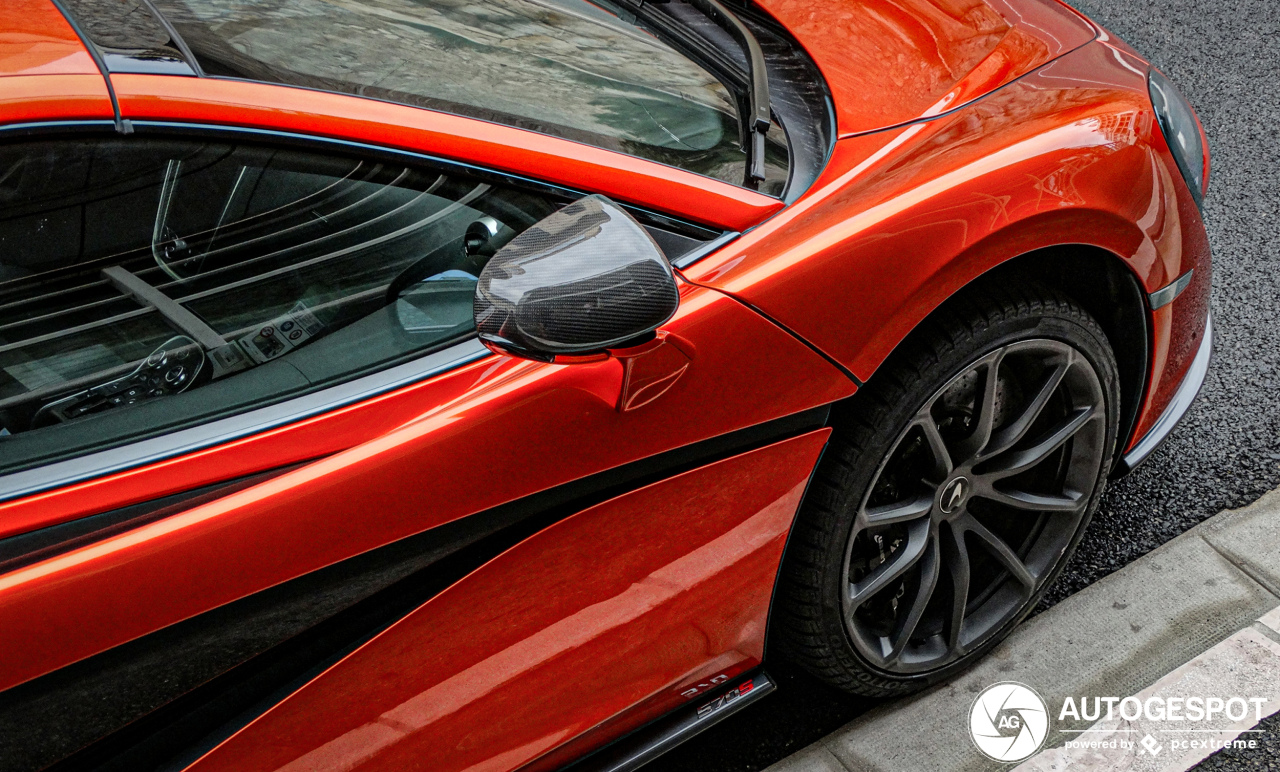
(1008, 721)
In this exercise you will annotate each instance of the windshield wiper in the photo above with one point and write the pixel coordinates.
(755, 123)
(758, 118)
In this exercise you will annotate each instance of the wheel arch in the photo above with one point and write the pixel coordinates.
(1104, 285)
(1096, 277)
(869, 431)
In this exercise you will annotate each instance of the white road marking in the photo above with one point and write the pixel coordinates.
(1245, 664)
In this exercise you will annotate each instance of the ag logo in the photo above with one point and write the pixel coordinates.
(1008, 722)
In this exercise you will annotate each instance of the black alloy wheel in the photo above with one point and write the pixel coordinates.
(955, 488)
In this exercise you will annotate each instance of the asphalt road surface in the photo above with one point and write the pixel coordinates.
(1225, 56)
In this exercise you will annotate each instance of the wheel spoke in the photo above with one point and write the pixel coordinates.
(1013, 433)
(998, 549)
(1014, 440)
(890, 571)
(1021, 460)
(957, 558)
(901, 512)
(1032, 502)
(942, 463)
(906, 627)
(985, 409)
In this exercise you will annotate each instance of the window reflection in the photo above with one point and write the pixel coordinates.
(564, 67)
(145, 283)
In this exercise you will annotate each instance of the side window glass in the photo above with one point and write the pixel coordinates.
(149, 284)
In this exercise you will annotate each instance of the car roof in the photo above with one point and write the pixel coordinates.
(35, 39)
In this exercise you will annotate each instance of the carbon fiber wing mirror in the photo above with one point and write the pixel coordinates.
(582, 280)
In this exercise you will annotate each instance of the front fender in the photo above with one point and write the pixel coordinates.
(903, 219)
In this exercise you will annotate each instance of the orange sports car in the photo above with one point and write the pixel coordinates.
(457, 385)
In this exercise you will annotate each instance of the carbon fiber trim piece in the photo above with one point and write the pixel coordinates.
(648, 743)
(1165, 295)
(1178, 407)
(583, 279)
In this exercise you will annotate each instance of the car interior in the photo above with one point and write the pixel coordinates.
(186, 280)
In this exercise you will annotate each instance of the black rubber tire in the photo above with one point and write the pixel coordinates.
(807, 625)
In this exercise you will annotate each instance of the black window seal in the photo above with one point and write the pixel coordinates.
(694, 255)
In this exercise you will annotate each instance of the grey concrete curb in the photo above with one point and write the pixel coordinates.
(1115, 637)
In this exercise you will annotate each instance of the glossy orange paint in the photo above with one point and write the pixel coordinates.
(434, 459)
(905, 218)
(35, 98)
(35, 39)
(618, 605)
(306, 440)
(623, 177)
(888, 62)
(651, 369)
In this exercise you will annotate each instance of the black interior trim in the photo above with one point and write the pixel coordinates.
(309, 623)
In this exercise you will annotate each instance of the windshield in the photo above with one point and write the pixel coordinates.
(563, 67)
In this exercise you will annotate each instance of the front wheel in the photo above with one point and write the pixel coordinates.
(956, 486)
